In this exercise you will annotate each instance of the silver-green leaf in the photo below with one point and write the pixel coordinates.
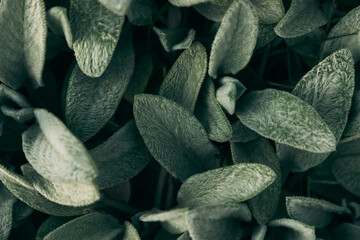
(188, 3)
(58, 22)
(6, 209)
(141, 12)
(241, 133)
(293, 229)
(269, 11)
(229, 92)
(130, 232)
(119, 7)
(212, 11)
(175, 39)
(347, 172)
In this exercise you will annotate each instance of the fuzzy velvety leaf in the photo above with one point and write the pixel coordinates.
(347, 172)
(346, 231)
(212, 11)
(292, 229)
(241, 133)
(6, 209)
(55, 153)
(97, 28)
(328, 88)
(218, 222)
(269, 11)
(118, 7)
(311, 211)
(230, 184)
(309, 44)
(22, 42)
(235, 40)
(260, 150)
(229, 92)
(259, 232)
(58, 22)
(345, 34)
(117, 164)
(286, 119)
(174, 136)
(210, 114)
(266, 35)
(175, 39)
(75, 194)
(23, 190)
(188, 3)
(91, 102)
(183, 82)
(141, 12)
(353, 125)
(303, 17)
(49, 225)
(130, 232)
(92, 226)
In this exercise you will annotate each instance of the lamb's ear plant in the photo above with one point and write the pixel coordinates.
(179, 119)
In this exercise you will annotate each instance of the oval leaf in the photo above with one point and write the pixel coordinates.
(294, 229)
(269, 11)
(58, 22)
(188, 3)
(347, 172)
(130, 232)
(285, 118)
(49, 225)
(118, 7)
(6, 209)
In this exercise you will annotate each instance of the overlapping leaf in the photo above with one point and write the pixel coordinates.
(58, 22)
(130, 232)
(6, 209)
(118, 7)
(269, 11)
(292, 229)
(140, 12)
(175, 39)
(188, 3)
(229, 92)
(49, 225)
(241, 133)
(346, 171)
(212, 11)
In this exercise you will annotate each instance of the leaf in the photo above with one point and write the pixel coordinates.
(70, 194)
(183, 82)
(117, 164)
(22, 42)
(96, 28)
(212, 11)
(259, 232)
(229, 92)
(328, 88)
(92, 226)
(230, 184)
(311, 211)
(309, 44)
(353, 125)
(293, 229)
(208, 111)
(345, 35)
(269, 11)
(173, 136)
(6, 209)
(188, 3)
(55, 153)
(130, 232)
(140, 12)
(285, 118)
(184, 236)
(119, 7)
(175, 39)
(235, 40)
(302, 17)
(91, 102)
(20, 212)
(49, 225)
(58, 22)
(346, 231)
(266, 35)
(23, 190)
(218, 222)
(174, 221)
(21, 116)
(346, 171)
(260, 150)
(242, 134)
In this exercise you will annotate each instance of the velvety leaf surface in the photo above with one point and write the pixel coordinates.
(208, 111)
(241, 133)
(235, 40)
(266, 35)
(140, 12)
(116, 163)
(269, 11)
(188, 3)
(55, 153)
(353, 125)
(292, 229)
(91, 102)
(50, 225)
(6, 209)
(286, 119)
(228, 93)
(230, 184)
(328, 88)
(174, 137)
(130, 232)
(118, 7)
(346, 231)
(346, 171)
(58, 22)
(302, 17)
(22, 42)
(183, 82)
(175, 39)
(97, 28)
(212, 11)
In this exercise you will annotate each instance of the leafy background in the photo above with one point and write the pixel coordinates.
(179, 119)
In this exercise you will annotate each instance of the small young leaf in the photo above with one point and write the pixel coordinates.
(230, 184)
(130, 232)
(242, 134)
(286, 119)
(183, 82)
(22, 42)
(119, 7)
(58, 22)
(212, 11)
(175, 39)
(210, 114)
(141, 12)
(293, 230)
(6, 209)
(269, 11)
(117, 164)
(96, 28)
(347, 172)
(345, 34)
(55, 153)
(235, 40)
(174, 136)
(303, 17)
(92, 226)
(230, 90)
(346, 231)
(91, 102)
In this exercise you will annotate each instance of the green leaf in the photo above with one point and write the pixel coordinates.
(285, 118)
(311, 211)
(23, 190)
(266, 35)
(347, 172)
(175, 39)
(92, 226)
(21, 116)
(259, 232)
(269, 11)
(49, 225)
(345, 34)
(75, 194)
(22, 42)
(292, 229)
(58, 22)
(130, 232)
(210, 114)
(346, 231)
(117, 164)
(309, 44)
(141, 12)
(183, 82)
(174, 136)
(230, 184)
(302, 17)
(260, 150)
(20, 212)
(119, 7)
(55, 153)
(184, 236)
(212, 11)
(229, 92)
(328, 88)
(188, 3)
(6, 209)
(352, 128)
(91, 102)
(96, 28)
(242, 134)
(218, 222)
(235, 40)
